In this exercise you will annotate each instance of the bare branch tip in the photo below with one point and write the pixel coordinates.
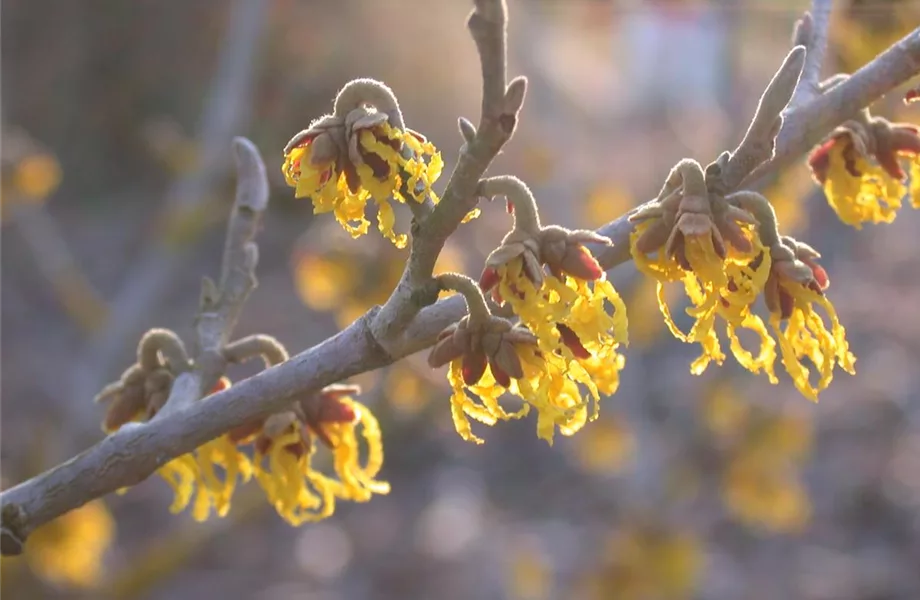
(491, 10)
(803, 33)
(252, 182)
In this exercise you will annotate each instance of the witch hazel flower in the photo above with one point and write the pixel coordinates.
(362, 151)
(860, 166)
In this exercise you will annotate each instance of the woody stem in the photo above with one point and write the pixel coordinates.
(475, 301)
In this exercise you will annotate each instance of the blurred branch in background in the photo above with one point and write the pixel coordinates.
(223, 116)
(30, 175)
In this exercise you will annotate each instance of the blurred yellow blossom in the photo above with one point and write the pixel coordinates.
(607, 445)
(323, 282)
(643, 562)
(37, 175)
(606, 202)
(724, 411)
(760, 493)
(530, 576)
(69, 550)
(405, 389)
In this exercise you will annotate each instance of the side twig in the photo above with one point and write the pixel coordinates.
(500, 106)
(221, 305)
(811, 31)
(222, 115)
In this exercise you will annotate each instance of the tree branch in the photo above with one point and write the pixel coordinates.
(221, 116)
(811, 31)
(808, 125)
(220, 308)
(500, 105)
(136, 451)
(222, 304)
(803, 127)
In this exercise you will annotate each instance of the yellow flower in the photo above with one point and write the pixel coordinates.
(69, 550)
(791, 293)
(295, 489)
(860, 171)
(717, 287)
(488, 411)
(356, 480)
(806, 335)
(382, 162)
(285, 448)
(579, 326)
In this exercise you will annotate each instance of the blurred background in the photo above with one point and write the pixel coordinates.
(117, 121)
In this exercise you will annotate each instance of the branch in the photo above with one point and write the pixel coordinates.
(221, 116)
(134, 452)
(811, 31)
(803, 128)
(55, 262)
(71, 484)
(500, 106)
(808, 125)
(222, 304)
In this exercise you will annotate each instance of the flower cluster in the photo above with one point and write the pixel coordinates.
(362, 151)
(726, 251)
(284, 444)
(141, 393)
(860, 168)
(572, 323)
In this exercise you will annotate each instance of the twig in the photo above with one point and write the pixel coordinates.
(811, 31)
(806, 126)
(803, 127)
(55, 262)
(222, 115)
(759, 142)
(500, 106)
(221, 304)
(134, 452)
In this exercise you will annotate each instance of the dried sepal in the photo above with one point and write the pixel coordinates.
(516, 244)
(477, 344)
(480, 338)
(564, 252)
